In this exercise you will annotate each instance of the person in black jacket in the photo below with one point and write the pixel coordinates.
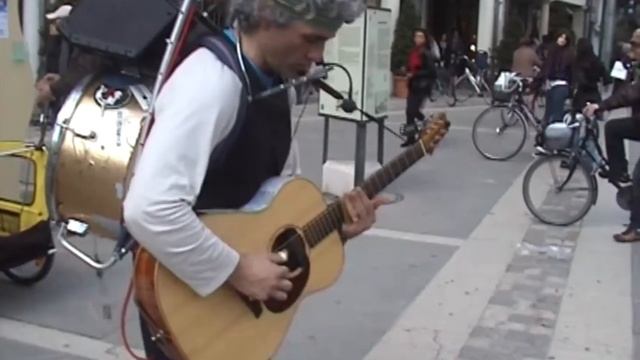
(615, 132)
(421, 66)
(589, 72)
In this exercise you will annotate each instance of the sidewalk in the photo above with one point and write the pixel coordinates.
(548, 293)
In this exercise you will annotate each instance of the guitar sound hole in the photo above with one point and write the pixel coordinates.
(291, 241)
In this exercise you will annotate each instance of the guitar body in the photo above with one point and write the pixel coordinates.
(222, 325)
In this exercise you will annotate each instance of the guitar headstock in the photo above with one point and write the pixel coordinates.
(437, 127)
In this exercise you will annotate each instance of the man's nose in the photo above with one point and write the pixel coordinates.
(316, 54)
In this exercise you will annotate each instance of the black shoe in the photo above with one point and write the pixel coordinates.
(621, 179)
(409, 130)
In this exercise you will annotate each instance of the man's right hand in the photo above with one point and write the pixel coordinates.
(590, 110)
(262, 277)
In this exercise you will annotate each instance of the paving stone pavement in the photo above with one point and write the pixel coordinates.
(519, 321)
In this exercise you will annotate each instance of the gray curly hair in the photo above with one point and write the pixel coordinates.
(330, 14)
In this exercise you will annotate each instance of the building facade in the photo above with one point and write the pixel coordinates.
(485, 22)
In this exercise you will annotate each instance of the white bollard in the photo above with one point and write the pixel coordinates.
(338, 175)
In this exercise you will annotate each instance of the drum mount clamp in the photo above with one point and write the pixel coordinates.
(73, 227)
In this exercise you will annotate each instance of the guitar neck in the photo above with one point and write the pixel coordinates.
(332, 218)
(379, 180)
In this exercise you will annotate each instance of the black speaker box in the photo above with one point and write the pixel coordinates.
(122, 28)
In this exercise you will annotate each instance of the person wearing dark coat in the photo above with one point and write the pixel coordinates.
(421, 67)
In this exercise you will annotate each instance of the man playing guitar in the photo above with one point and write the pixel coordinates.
(214, 142)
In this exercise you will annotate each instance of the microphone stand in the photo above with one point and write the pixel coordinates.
(348, 105)
(379, 121)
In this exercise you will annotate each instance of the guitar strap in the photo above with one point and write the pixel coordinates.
(223, 50)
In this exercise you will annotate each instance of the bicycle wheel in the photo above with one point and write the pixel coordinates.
(499, 133)
(31, 272)
(558, 190)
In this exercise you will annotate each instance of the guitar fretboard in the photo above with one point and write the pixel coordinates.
(332, 218)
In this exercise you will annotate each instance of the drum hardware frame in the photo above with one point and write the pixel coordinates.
(90, 136)
(143, 96)
(176, 32)
(81, 229)
(28, 147)
(74, 227)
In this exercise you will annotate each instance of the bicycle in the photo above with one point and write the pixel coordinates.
(571, 169)
(440, 85)
(475, 76)
(509, 114)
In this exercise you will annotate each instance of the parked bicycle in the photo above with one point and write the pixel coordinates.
(500, 132)
(561, 188)
(470, 73)
(440, 85)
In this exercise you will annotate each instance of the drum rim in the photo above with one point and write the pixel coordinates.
(141, 94)
(67, 110)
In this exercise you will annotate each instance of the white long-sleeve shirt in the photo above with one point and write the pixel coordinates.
(195, 110)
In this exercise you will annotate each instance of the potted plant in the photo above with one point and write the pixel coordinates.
(408, 21)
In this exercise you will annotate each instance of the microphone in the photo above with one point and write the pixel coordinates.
(314, 75)
(347, 105)
(319, 84)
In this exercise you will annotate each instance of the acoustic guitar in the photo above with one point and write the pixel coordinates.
(287, 216)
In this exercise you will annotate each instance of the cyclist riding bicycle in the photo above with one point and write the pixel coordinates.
(615, 132)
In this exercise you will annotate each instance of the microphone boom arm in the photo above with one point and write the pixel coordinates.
(349, 105)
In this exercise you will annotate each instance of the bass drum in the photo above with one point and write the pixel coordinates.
(93, 141)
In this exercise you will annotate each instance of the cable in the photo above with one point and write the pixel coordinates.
(304, 108)
(346, 72)
(123, 316)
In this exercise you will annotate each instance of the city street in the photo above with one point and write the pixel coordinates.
(456, 269)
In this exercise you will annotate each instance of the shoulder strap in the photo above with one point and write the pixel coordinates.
(224, 51)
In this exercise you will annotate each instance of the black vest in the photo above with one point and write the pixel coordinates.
(256, 149)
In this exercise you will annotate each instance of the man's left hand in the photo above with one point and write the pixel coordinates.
(361, 210)
(44, 93)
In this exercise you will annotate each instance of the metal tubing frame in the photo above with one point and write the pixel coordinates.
(119, 253)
